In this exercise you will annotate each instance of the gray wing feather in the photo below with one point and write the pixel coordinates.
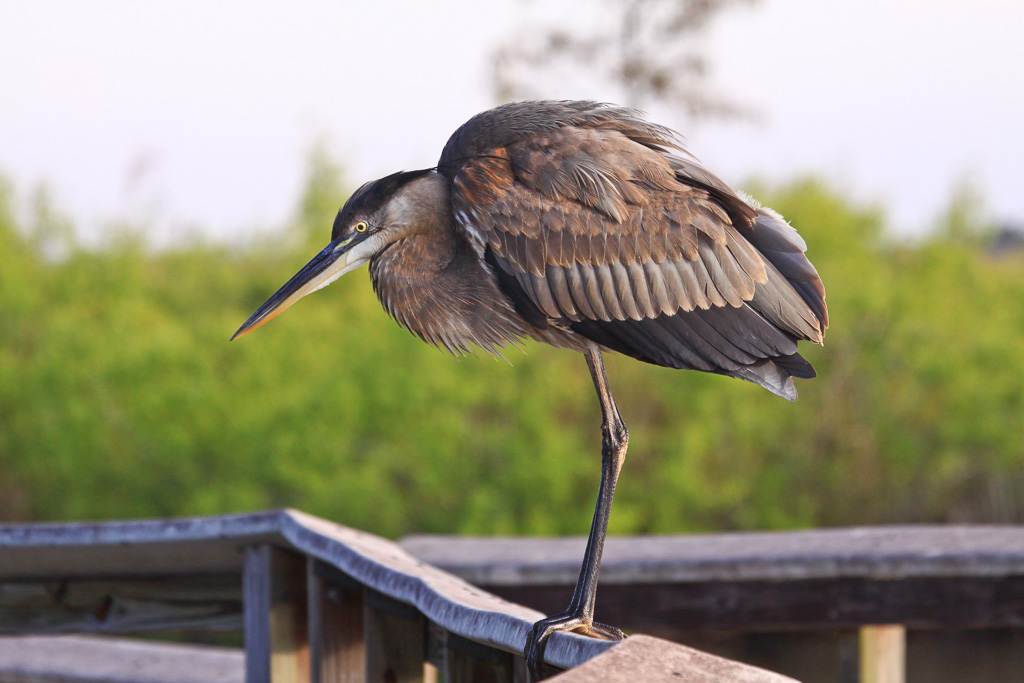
(660, 296)
(593, 292)
(639, 290)
(712, 297)
(574, 278)
(693, 289)
(608, 294)
(677, 290)
(541, 293)
(560, 289)
(624, 292)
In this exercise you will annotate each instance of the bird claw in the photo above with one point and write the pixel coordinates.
(605, 632)
(537, 641)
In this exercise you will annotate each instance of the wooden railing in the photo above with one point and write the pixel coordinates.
(315, 601)
(856, 590)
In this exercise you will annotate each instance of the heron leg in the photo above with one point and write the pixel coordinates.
(579, 616)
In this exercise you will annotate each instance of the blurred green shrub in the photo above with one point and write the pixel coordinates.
(120, 395)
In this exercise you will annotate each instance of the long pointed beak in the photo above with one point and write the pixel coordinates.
(326, 267)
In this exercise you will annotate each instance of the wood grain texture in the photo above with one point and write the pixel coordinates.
(276, 638)
(468, 662)
(395, 642)
(337, 646)
(634, 660)
(46, 659)
(212, 603)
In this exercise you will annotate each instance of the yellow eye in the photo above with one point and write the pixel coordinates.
(361, 226)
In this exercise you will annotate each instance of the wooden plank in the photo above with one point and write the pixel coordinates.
(643, 658)
(925, 602)
(337, 647)
(151, 547)
(133, 605)
(275, 603)
(883, 654)
(26, 659)
(396, 636)
(878, 553)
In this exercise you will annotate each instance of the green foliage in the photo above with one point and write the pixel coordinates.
(120, 395)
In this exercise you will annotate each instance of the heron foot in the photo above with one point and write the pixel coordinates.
(566, 621)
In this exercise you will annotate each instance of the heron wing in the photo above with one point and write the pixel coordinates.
(599, 226)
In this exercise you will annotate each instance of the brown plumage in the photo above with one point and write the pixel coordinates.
(583, 226)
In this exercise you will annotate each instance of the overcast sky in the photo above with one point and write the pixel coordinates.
(201, 114)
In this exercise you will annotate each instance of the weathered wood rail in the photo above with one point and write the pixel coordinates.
(316, 601)
(877, 581)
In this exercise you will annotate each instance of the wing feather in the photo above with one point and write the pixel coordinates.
(711, 258)
(641, 292)
(712, 297)
(560, 289)
(692, 286)
(677, 290)
(606, 280)
(528, 283)
(544, 298)
(592, 288)
(624, 291)
(577, 288)
(663, 302)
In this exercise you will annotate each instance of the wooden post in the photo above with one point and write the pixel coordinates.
(395, 640)
(883, 654)
(274, 597)
(337, 650)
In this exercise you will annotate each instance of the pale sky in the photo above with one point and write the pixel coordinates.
(200, 115)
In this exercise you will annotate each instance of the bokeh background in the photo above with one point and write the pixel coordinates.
(167, 166)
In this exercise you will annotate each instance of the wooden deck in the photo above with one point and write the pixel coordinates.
(316, 601)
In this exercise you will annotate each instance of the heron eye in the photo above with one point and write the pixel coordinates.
(361, 226)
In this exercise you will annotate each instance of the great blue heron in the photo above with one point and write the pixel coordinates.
(583, 226)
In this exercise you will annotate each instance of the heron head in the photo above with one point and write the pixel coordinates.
(375, 216)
